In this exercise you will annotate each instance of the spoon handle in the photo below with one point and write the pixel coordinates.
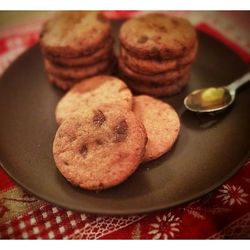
(239, 82)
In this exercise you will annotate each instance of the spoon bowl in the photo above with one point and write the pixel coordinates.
(196, 101)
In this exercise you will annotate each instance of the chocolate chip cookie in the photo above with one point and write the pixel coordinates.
(161, 122)
(76, 45)
(94, 92)
(100, 55)
(158, 90)
(169, 76)
(152, 67)
(158, 36)
(76, 72)
(99, 148)
(75, 33)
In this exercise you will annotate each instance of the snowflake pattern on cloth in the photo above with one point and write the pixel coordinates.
(232, 195)
(165, 227)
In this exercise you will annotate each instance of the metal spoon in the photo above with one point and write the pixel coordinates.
(193, 101)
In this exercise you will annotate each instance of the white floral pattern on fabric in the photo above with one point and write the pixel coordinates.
(232, 195)
(165, 227)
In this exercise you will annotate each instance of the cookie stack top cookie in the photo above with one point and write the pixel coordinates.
(159, 36)
(74, 34)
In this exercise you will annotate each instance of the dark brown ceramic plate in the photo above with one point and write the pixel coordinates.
(210, 149)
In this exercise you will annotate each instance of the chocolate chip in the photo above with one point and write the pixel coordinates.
(154, 52)
(175, 22)
(100, 185)
(84, 150)
(99, 118)
(142, 39)
(120, 131)
(101, 18)
(162, 29)
(72, 138)
(66, 163)
(99, 142)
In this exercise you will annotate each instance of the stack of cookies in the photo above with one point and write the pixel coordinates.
(105, 133)
(76, 45)
(156, 53)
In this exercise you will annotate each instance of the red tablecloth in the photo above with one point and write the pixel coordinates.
(223, 213)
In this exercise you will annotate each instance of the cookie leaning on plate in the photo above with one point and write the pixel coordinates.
(161, 122)
(99, 148)
(94, 92)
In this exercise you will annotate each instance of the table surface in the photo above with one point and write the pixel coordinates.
(223, 213)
